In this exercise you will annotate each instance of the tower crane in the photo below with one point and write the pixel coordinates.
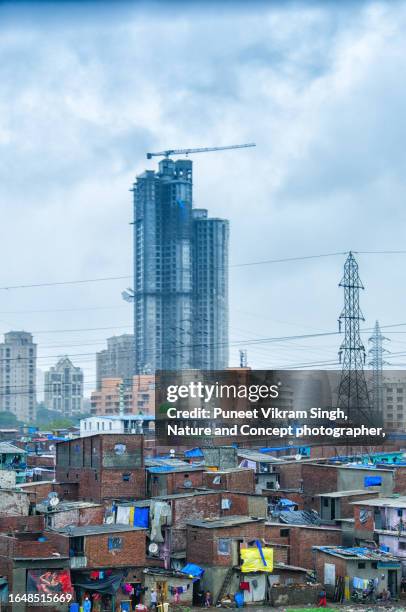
(199, 150)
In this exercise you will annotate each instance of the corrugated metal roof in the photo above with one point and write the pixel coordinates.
(357, 552)
(226, 521)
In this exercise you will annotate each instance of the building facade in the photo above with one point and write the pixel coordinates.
(63, 389)
(394, 405)
(117, 361)
(18, 357)
(114, 396)
(180, 275)
(210, 291)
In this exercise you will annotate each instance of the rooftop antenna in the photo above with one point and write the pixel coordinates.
(243, 359)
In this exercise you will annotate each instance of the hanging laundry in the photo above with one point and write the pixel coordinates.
(141, 517)
(131, 517)
(244, 586)
(358, 583)
(123, 515)
(160, 515)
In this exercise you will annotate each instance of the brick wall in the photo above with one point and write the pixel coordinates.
(242, 480)
(368, 514)
(27, 546)
(346, 507)
(98, 484)
(202, 544)
(400, 480)
(98, 463)
(78, 516)
(301, 541)
(280, 553)
(322, 558)
(194, 508)
(40, 461)
(38, 491)
(274, 533)
(131, 553)
(318, 479)
(114, 486)
(290, 474)
(176, 481)
(9, 524)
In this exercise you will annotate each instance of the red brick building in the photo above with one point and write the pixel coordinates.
(105, 466)
(218, 542)
(104, 546)
(166, 480)
(24, 552)
(233, 479)
(301, 539)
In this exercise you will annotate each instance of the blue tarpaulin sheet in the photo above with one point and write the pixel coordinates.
(141, 517)
(194, 452)
(192, 570)
(285, 502)
(372, 481)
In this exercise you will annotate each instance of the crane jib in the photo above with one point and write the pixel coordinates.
(169, 152)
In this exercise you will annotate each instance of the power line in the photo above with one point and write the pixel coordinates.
(72, 282)
(237, 265)
(287, 259)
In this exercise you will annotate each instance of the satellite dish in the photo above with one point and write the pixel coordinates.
(298, 457)
(128, 295)
(172, 452)
(109, 520)
(153, 548)
(53, 502)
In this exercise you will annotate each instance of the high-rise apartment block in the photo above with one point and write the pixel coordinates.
(180, 275)
(117, 361)
(113, 397)
(18, 356)
(394, 404)
(64, 388)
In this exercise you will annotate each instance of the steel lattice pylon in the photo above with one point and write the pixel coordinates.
(377, 362)
(353, 396)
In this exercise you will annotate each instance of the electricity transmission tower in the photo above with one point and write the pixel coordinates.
(353, 396)
(377, 362)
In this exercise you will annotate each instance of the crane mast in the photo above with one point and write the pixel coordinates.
(199, 150)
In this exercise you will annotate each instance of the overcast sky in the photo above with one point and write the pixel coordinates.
(87, 89)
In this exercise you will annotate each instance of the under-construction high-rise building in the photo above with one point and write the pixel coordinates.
(180, 275)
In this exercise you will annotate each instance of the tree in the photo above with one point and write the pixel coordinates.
(8, 420)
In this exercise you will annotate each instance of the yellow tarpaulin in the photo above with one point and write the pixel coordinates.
(131, 517)
(253, 562)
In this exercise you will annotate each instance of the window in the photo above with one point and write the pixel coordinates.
(374, 565)
(361, 565)
(115, 543)
(402, 545)
(77, 547)
(126, 477)
(400, 512)
(284, 533)
(223, 546)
